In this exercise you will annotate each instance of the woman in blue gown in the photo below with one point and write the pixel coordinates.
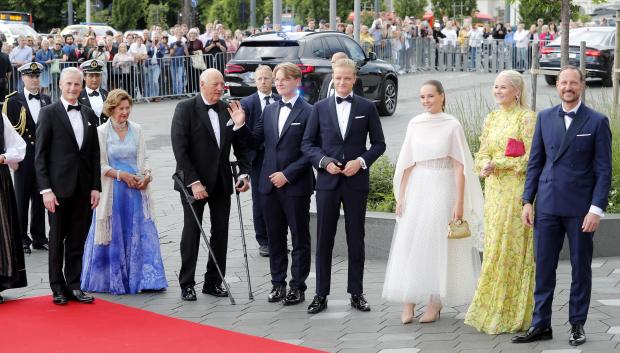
(122, 254)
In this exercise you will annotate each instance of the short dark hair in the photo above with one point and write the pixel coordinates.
(572, 67)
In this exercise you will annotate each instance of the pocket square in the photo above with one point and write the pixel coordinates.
(583, 135)
(295, 124)
(360, 117)
(230, 122)
(89, 123)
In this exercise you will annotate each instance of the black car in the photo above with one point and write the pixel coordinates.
(600, 45)
(311, 51)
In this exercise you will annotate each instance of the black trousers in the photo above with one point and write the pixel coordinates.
(28, 196)
(260, 229)
(283, 212)
(69, 227)
(219, 211)
(328, 211)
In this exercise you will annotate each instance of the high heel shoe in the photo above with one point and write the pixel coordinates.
(408, 312)
(427, 318)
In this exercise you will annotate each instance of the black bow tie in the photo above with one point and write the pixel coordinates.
(571, 115)
(347, 98)
(213, 106)
(93, 94)
(35, 96)
(288, 105)
(267, 98)
(71, 107)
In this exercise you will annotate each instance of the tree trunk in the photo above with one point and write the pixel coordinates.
(565, 18)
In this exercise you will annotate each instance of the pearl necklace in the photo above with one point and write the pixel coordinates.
(116, 126)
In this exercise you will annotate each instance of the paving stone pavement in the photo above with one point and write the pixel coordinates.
(340, 328)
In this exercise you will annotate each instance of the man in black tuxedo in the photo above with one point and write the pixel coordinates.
(328, 89)
(286, 182)
(253, 106)
(69, 178)
(335, 142)
(93, 95)
(202, 135)
(22, 108)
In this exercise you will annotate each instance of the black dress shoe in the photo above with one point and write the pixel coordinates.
(319, 303)
(215, 290)
(79, 296)
(263, 250)
(59, 298)
(294, 296)
(534, 334)
(188, 294)
(359, 302)
(278, 292)
(44, 247)
(577, 335)
(27, 249)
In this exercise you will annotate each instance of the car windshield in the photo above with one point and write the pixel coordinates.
(589, 36)
(262, 50)
(22, 30)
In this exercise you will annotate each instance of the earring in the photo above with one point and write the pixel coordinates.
(517, 99)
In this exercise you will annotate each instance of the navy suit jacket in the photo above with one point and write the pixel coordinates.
(323, 139)
(569, 172)
(282, 151)
(251, 105)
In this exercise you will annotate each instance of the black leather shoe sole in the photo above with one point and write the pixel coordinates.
(287, 301)
(215, 293)
(60, 300)
(315, 309)
(542, 337)
(575, 343)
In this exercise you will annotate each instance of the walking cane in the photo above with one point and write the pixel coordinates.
(234, 165)
(190, 201)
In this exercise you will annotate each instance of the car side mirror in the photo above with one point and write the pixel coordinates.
(372, 56)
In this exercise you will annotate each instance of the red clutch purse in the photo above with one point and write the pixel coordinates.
(514, 148)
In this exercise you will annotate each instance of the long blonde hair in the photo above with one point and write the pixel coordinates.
(515, 79)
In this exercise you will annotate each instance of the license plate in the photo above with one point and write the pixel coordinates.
(573, 55)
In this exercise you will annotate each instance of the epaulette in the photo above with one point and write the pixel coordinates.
(9, 95)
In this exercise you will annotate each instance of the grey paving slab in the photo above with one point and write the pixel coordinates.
(340, 328)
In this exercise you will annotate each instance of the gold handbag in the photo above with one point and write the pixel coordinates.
(458, 229)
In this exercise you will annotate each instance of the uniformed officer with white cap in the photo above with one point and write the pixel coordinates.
(93, 95)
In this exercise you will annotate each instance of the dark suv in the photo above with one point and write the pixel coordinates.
(311, 51)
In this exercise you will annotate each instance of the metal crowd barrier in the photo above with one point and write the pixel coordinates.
(424, 54)
(177, 76)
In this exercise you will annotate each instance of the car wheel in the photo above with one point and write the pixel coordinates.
(550, 80)
(387, 106)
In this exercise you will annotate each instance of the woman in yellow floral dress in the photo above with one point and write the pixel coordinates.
(504, 299)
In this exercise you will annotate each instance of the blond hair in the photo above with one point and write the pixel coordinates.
(515, 79)
(345, 63)
(114, 99)
(290, 70)
(263, 68)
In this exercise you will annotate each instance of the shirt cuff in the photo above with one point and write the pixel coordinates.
(45, 191)
(321, 162)
(597, 211)
(244, 176)
(196, 182)
(362, 162)
(235, 128)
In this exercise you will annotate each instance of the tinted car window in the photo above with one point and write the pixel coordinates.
(318, 49)
(334, 45)
(355, 52)
(260, 50)
(588, 36)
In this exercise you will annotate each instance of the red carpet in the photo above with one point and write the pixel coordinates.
(36, 325)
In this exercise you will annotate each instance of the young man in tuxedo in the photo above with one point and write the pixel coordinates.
(253, 106)
(22, 108)
(202, 135)
(335, 142)
(569, 177)
(68, 172)
(286, 182)
(93, 95)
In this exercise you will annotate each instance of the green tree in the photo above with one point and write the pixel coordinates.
(156, 15)
(41, 11)
(126, 14)
(445, 8)
(410, 7)
(531, 10)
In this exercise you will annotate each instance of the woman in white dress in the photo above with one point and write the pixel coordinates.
(434, 183)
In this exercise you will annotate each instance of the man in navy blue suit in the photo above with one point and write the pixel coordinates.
(335, 142)
(253, 106)
(286, 182)
(569, 177)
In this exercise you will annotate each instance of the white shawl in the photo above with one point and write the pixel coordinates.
(103, 226)
(435, 136)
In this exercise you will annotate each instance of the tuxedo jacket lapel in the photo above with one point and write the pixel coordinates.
(575, 126)
(333, 114)
(203, 116)
(223, 117)
(351, 116)
(86, 127)
(291, 117)
(64, 120)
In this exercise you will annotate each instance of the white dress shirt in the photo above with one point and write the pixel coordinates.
(96, 102)
(284, 113)
(75, 117)
(262, 96)
(567, 121)
(14, 145)
(34, 105)
(343, 110)
(215, 120)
